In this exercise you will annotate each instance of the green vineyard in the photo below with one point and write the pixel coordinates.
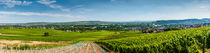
(178, 41)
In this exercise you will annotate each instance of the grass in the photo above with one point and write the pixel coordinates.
(56, 35)
(123, 34)
(41, 46)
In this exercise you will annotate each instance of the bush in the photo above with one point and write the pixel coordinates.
(46, 34)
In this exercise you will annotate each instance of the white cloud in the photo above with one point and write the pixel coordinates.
(203, 6)
(50, 3)
(26, 3)
(46, 2)
(3, 16)
(39, 14)
(12, 3)
(58, 7)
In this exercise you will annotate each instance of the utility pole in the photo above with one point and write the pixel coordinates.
(204, 41)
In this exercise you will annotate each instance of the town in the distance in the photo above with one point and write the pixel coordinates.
(143, 26)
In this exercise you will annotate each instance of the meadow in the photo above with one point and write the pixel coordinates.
(55, 35)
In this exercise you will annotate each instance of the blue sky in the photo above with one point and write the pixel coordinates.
(20, 11)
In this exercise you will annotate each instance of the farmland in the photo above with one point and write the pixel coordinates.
(22, 39)
(55, 35)
(179, 41)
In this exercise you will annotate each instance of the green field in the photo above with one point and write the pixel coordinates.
(178, 41)
(55, 35)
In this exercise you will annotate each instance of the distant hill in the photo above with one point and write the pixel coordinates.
(88, 22)
(161, 22)
(185, 21)
(71, 23)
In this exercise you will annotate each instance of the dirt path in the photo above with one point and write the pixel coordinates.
(98, 50)
(207, 52)
(83, 50)
(90, 48)
(77, 49)
(81, 47)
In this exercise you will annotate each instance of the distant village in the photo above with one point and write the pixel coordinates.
(162, 28)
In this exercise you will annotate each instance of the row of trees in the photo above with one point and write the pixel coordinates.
(160, 30)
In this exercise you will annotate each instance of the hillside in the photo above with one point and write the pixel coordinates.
(178, 41)
(72, 23)
(160, 22)
(88, 22)
(185, 21)
(55, 35)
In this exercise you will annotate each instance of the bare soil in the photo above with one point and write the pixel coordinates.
(98, 50)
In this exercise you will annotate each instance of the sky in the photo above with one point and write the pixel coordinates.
(22, 11)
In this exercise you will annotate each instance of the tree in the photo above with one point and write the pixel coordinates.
(46, 34)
